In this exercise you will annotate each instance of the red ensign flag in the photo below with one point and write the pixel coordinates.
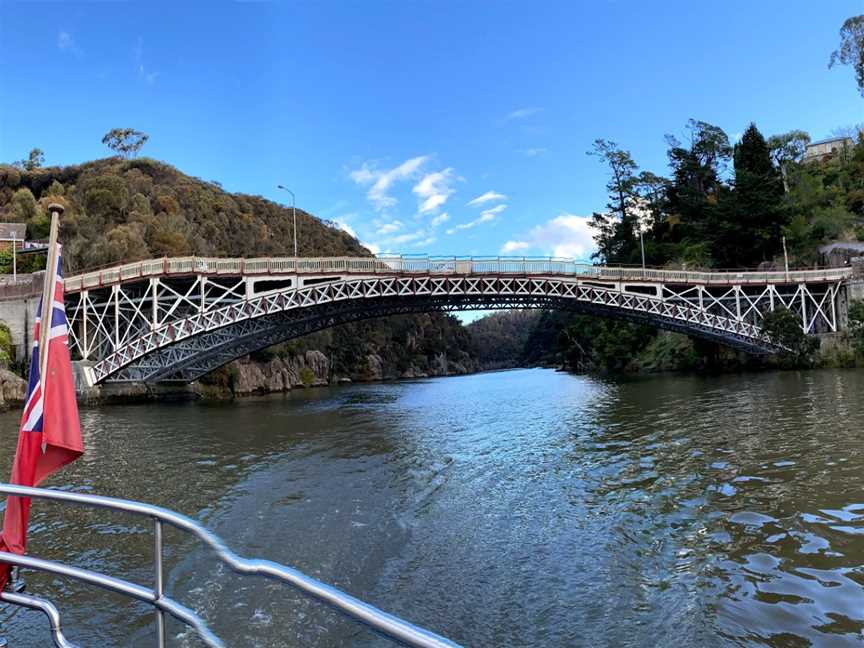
(50, 435)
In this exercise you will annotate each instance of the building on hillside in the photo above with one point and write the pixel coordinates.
(823, 149)
(12, 237)
(840, 254)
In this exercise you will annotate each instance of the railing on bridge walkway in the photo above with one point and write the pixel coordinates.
(387, 625)
(439, 265)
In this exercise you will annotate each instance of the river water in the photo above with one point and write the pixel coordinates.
(522, 508)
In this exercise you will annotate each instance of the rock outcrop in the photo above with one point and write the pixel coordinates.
(13, 389)
(310, 369)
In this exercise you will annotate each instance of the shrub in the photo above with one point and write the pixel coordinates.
(783, 328)
(856, 325)
(23, 205)
(10, 176)
(307, 376)
(6, 350)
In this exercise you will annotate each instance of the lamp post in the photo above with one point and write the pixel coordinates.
(293, 214)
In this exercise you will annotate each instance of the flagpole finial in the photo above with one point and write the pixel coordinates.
(56, 208)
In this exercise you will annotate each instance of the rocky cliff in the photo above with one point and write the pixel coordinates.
(313, 368)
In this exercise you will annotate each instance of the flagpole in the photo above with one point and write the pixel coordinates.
(48, 292)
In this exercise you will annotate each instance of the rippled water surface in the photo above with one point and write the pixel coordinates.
(524, 508)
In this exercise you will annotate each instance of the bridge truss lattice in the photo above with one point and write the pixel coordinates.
(177, 322)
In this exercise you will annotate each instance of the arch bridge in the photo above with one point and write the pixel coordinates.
(175, 319)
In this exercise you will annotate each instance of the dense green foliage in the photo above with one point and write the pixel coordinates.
(783, 328)
(722, 206)
(703, 215)
(6, 351)
(856, 325)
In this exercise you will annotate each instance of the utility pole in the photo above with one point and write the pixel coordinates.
(294, 215)
(786, 258)
(642, 245)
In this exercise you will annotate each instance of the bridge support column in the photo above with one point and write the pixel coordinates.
(154, 303)
(85, 345)
(116, 291)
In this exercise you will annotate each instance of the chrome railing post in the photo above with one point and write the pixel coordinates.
(159, 587)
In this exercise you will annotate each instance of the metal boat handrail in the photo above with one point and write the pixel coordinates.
(386, 624)
(46, 607)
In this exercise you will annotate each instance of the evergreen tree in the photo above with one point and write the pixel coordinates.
(696, 192)
(751, 225)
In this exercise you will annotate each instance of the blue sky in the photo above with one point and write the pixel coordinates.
(423, 127)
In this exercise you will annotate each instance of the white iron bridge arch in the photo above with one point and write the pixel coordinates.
(177, 319)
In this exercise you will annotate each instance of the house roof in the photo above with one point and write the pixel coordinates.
(10, 231)
(830, 140)
(854, 246)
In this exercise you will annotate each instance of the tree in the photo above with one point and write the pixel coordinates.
(783, 328)
(851, 51)
(696, 192)
(125, 141)
(752, 228)
(617, 229)
(35, 160)
(786, 149)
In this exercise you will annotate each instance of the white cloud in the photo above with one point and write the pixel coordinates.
(484, 217)
(442, 218)
(389, 228)
(372, 247)
(382, 180)
(489, 196)
(419, 238)
(566, 235)
(434, 189)
(513, 246)
(66, 43)
(489, 214)
(145, 74)
(406, 238)
(534, 152)
(345, 227)
(65, 40)
(522, 113)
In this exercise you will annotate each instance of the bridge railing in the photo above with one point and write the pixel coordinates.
(437, 265)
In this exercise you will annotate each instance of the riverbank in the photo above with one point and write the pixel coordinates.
(273, 373)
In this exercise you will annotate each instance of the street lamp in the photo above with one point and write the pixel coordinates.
(294, 215)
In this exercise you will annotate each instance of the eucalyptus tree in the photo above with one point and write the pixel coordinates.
(851, 50)
(617, 229)
(125, 141)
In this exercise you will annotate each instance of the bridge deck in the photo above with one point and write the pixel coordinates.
(516, 266)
